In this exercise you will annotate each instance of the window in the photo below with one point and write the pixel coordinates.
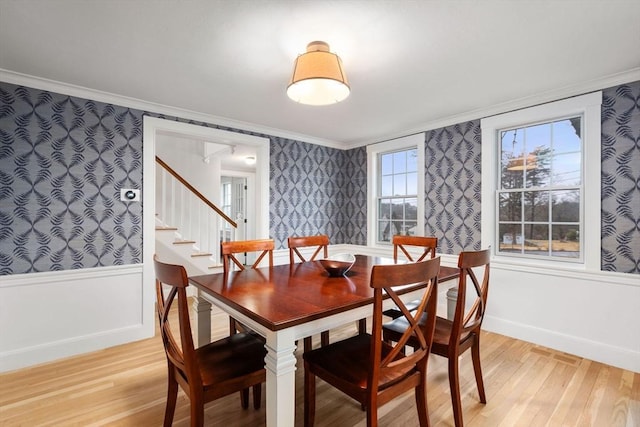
(540, 187)
(541, 170)
(396, 188)
(397, 194)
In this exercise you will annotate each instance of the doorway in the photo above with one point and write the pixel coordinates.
(152, 128)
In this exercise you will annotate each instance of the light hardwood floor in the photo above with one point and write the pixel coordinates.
(526, 385)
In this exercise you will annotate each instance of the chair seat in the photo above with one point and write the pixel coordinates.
(232, 357)
(394, 313)
(349, 361)
(441, 334)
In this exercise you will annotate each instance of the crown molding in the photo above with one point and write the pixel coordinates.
(530, 101)
(541, 98)
(20, 79)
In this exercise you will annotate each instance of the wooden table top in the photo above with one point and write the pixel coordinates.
(287, 295)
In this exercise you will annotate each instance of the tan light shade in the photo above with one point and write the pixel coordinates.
(318, 77)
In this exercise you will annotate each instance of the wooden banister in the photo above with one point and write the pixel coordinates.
(199, 195)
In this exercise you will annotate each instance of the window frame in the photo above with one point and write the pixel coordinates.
(589, 108)
(373, 171)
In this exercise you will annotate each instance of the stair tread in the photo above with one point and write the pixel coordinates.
(183, 242)
(199, 254)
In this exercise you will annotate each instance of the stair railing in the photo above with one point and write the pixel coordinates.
(179, 204)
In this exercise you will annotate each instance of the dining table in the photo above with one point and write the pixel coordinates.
(286, 303)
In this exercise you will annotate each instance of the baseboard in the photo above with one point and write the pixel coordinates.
(588, 349)
(35, 355)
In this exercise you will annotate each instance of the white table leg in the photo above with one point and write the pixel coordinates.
(281, 379)
(202, 310)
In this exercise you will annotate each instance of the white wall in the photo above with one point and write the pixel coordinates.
(46, 316)
(594, 315)
(185, 156)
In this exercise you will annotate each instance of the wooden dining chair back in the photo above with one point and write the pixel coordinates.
(454, 336)
(321, 245)
(370, 370)
(320, 242)
(230, 250)
(215, 370)
(428, 245)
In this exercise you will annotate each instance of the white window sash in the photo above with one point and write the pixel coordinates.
(589, 107)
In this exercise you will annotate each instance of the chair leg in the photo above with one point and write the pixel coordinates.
(421, 403)
(308, 344)
(372, 416)
(257, 396)
(172, 397)
(362, 326)
(454, 385)
(309, 398)
(197, 411)
(477, 369)
(324, 338)
(244, 398)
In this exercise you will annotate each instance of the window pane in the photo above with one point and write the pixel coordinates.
(566, 206)
(399, 185)
(536, 239)
(536, 206)
(397, 209)
(412, 183)
(510, 238)
(510, 207)
(566, 241)
(566, 136)
(412, 160)
(386, 164)
(512, 171)
(511, 177)
(411, 210)
(383, 231)
(400, 162)
(537, 166)
(386, 188)
(566, 169)
(537, 136)
(384, 224)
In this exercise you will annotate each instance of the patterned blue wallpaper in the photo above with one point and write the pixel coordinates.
(63, 160)
(312, 192)
(354, 222)
(452, 186)
(621, 178)
(62, 163)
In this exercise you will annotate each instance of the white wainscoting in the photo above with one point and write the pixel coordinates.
(47, 316)
(595, 315)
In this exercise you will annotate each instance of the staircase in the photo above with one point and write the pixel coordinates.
(188, 226)
(172, 248)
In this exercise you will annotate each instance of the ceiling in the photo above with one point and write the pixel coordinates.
(411, 64)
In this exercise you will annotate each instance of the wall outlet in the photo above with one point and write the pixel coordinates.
(129, 195)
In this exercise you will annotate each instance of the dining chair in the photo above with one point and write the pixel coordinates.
(225, 366)
(321, 245)
(454, 337)
(230, 249)
(370, 370)
(400, 244)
